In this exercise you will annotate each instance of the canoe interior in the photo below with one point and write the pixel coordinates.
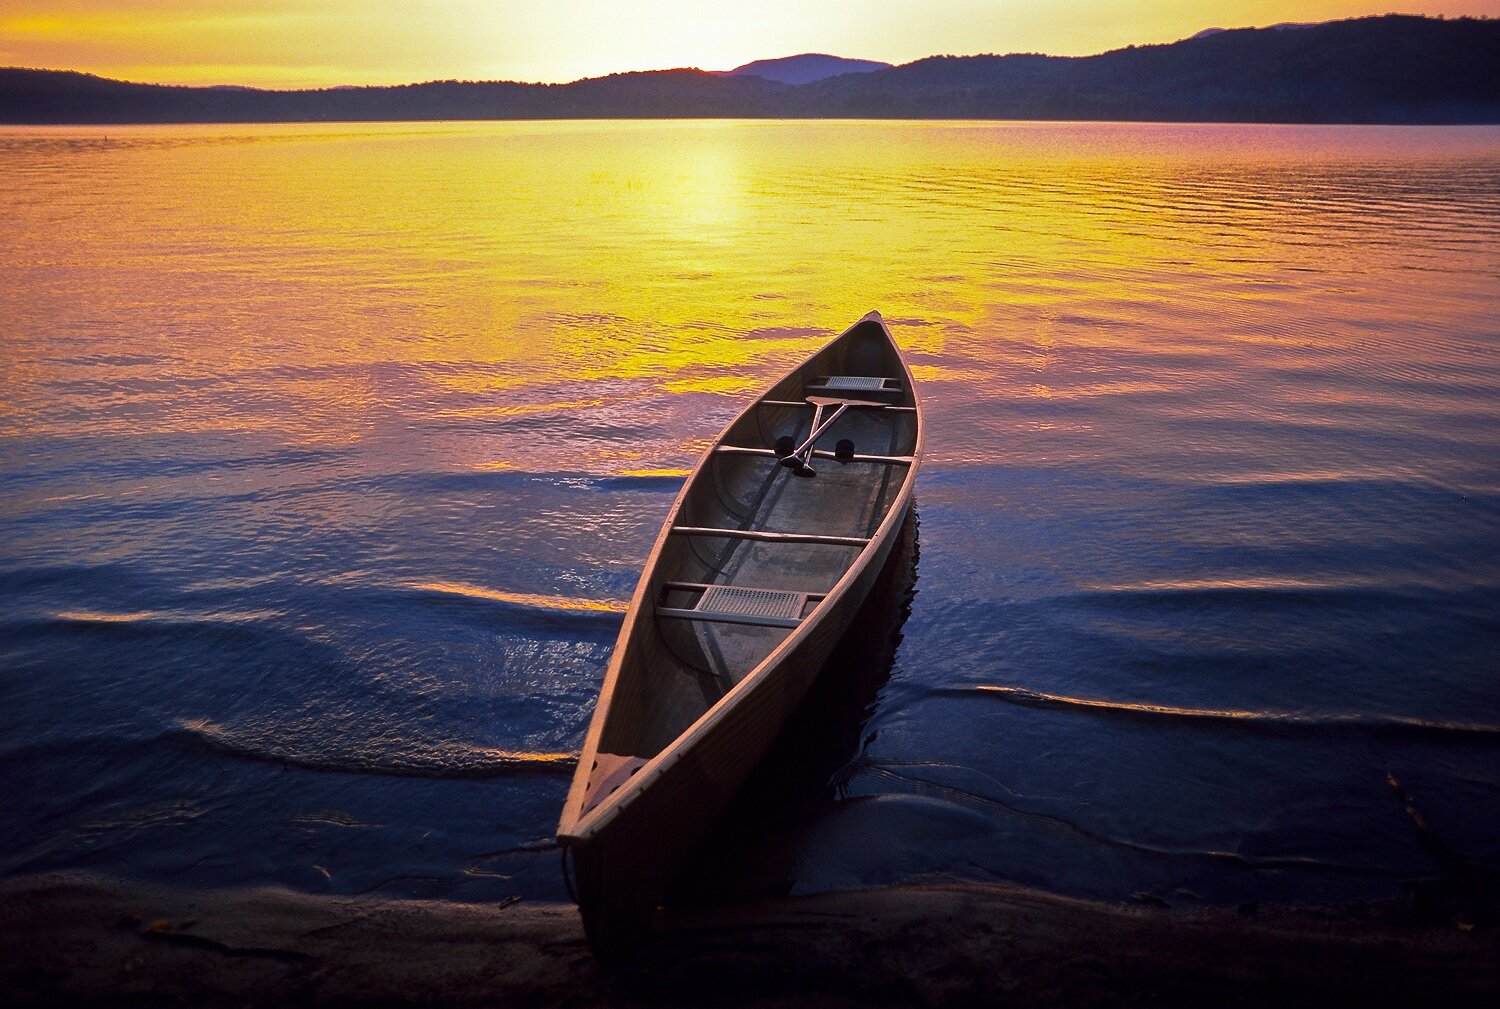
(674, 670)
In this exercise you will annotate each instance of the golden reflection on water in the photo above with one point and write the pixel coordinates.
(91, 617)
(569, 603)
(456, 759)
(598, 295)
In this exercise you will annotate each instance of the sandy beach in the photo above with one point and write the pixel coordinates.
(73, 939)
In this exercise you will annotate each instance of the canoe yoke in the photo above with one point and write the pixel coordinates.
(737, 604)
(799, 457)
(879, 460)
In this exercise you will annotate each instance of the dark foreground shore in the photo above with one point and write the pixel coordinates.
(71, 940)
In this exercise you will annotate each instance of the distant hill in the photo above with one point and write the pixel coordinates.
(806, 68)
(1284, 26)
(1392, 69)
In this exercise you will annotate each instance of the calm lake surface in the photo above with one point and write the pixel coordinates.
(329, 456)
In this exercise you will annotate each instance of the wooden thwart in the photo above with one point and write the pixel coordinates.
(766, 536)
(869, 406)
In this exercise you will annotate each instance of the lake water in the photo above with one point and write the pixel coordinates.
(329, 455)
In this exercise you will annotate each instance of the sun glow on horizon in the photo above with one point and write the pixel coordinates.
(292, 44)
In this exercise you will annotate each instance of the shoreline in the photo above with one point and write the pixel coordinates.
(73, 939)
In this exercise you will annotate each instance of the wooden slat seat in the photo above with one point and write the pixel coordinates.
(854, 383)
(737, 604)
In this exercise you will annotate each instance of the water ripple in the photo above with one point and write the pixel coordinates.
(1272, 720)
(438, 760)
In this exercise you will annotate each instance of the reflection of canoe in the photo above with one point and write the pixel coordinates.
(767, 553)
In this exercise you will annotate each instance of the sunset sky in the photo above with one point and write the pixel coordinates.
(312, 43)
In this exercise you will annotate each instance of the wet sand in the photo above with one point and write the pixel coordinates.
(71, 939)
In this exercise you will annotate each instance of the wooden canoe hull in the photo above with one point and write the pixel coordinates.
(620, 874)
(685, 714)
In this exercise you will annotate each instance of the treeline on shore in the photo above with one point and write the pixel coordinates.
(1392, 69)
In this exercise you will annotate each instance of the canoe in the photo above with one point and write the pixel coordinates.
(768, 552)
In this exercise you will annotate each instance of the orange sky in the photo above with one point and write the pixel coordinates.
(311, 43)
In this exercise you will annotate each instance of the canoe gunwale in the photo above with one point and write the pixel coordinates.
(577, 827)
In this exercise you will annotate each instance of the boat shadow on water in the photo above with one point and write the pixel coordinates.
(751, 850)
